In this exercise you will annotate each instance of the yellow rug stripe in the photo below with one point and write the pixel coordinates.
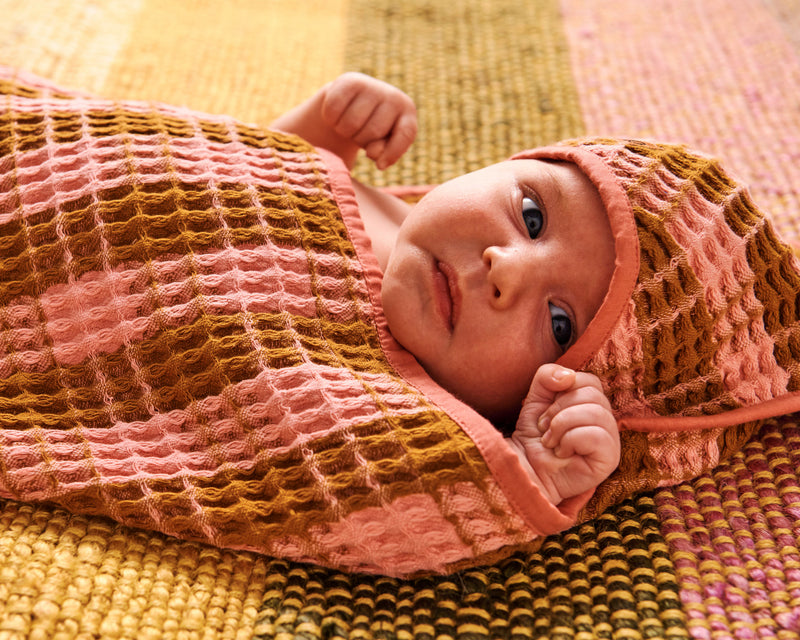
(72, 43)
(66, 576)
(252, 59)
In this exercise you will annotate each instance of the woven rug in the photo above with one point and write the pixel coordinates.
(715, 558)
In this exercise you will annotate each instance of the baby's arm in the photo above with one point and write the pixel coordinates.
(354, 112)
(566, 436)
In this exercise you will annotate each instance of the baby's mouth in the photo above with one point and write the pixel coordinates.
(448, 296)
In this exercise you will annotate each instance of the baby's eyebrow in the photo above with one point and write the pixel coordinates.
(555, 186)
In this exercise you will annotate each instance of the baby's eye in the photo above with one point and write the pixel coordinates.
(562, 325)
(533, 217)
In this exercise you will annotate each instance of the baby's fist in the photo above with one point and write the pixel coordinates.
(566, 435)
(375, 115)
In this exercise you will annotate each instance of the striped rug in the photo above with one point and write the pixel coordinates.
(715, 558)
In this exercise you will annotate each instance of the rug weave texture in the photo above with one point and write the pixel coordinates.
(714, 558)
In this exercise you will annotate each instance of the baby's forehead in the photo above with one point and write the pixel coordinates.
(564, 182)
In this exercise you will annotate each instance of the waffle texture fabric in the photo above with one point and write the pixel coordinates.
(192, 343)
(698, 339)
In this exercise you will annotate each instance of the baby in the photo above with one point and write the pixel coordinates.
(487, 281)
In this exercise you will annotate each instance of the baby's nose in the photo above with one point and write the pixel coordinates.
(505, 275)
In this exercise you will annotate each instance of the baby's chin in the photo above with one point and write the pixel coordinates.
(503, 416)
(504, 420)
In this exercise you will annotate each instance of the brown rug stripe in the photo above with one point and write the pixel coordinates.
(610, 578)
(489, 78)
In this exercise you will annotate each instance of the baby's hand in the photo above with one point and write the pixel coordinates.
(566, 436)
(376, 116)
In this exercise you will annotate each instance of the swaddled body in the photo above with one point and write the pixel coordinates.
(194, 342)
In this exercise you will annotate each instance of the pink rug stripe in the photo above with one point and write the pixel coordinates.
(712, 74)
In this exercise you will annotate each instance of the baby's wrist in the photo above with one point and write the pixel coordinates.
(548, 489)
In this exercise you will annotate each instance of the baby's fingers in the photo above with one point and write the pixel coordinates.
(581, 429)
(375, 148)
(353, 119)
(548, 381)
(341, 96)
(400, 139)
(372, 114)
(585, 389)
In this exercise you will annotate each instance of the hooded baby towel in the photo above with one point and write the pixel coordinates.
(698, 338)
(192, 343)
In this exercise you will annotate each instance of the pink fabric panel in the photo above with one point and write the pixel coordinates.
(103, 311)
(625, 387)
(694, 455)
(200, 438)
(56, 174)
(392, 536)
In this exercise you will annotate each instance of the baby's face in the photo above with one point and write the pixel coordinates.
(495, 273)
